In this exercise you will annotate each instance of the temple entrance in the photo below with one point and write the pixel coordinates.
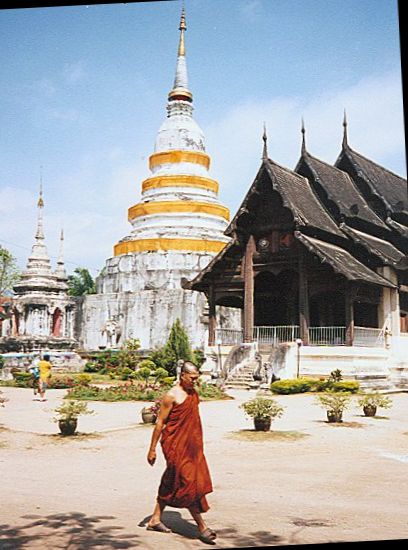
(327, 309)
(56, 322)
(365, 314)
(275, 302)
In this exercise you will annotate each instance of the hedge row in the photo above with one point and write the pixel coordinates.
(301, 385)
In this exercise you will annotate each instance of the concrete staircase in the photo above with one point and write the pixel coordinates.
(243, 379)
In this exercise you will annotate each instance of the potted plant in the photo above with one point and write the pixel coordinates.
(334, 403)
(150, 412)
(67, 415)
(371, 401)
(262, 410)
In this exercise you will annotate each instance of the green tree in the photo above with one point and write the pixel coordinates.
(81, 283)
(177, 347)
(9, 272)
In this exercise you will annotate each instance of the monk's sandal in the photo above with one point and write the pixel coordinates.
(160, 527)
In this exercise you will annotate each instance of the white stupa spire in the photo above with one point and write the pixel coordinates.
(60, 272)
(38, 272)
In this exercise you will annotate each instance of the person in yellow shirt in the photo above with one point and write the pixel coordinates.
(45, 373)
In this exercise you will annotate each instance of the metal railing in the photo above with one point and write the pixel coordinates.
(228, 336)
(327, 336)
(370, 337)
(276, 335)
(318, 336)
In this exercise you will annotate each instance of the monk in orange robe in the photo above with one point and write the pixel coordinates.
(186, 479)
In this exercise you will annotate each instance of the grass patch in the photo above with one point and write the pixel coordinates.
(272, 435)
(79, 436)
(344, 424)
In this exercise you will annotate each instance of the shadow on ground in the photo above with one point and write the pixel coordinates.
(73, 530)
(227, 535)
(273, 435)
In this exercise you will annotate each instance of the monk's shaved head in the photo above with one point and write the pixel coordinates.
(189, 367)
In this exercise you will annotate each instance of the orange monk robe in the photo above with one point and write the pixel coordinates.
(186, 479)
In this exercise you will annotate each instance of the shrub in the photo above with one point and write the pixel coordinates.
(147, 363)
(160, 374)
(92, 366)
(262, 407)
(61, 381)
(177, 347)
(127, 374)
(334, 401)
(168, 380)
(23, 379)
(351, 386)
(335, 375)
(2, 362)
(83, 379)
(124, 392)
(198, 357)
(375, 399)
(71, 410)
(289, 386)
(207, 392)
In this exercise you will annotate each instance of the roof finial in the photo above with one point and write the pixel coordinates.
(180, 87)
(60, 271)
(40, 202)
(345, 143)
(303, 137)
(182, 29)
(265, 139)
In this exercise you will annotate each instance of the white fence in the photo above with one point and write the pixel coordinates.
(318, 336)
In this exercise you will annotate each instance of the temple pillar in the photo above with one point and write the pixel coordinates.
(388, 309)
(211, 316)
(304, 320)
(249, 290)
(349, 311)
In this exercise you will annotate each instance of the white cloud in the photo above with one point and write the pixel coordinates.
(91, 201)
(375, 129)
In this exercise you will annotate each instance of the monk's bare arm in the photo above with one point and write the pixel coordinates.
(165, 407)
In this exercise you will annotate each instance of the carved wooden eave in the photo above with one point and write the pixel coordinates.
(385, 251)
(341, 261)
(398, 227)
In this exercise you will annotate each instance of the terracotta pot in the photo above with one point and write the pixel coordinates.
(333, 416)
(149, 417)
(68, 427)
(369, 410)
(262, 424)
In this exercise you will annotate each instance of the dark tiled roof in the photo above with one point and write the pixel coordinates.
(392, 189)
(308, 211)
(380, 248)
(341, 261)
(199, 283)
(401, 229)
(341, 190)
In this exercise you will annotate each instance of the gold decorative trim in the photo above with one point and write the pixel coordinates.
(169, 207)
(176, 156)
(154, 245)
(180, 181)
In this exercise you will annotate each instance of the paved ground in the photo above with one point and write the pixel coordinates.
(305, 482)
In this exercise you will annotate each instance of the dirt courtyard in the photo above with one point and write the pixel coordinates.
(306, 481)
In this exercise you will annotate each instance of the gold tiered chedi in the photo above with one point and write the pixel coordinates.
(179, 208)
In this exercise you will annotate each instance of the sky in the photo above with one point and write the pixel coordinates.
(84, 89)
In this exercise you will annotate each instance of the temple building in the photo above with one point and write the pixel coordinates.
(176, 229)
(40, 315)
(317, 266)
